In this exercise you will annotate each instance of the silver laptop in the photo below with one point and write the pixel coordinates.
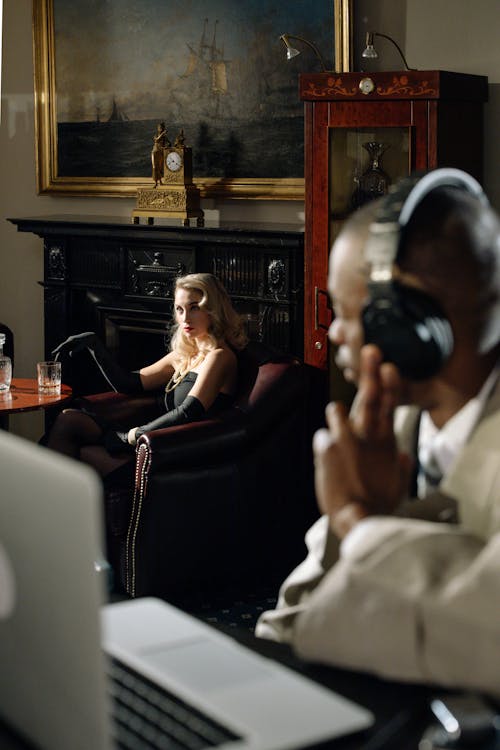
(57, 639)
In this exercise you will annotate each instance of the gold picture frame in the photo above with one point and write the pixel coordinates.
(50, 180)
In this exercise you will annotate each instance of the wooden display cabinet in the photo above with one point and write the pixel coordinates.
(427, 119)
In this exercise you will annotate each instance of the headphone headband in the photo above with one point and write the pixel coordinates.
(398, 206)
(440, 177)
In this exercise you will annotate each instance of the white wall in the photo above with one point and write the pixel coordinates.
(21, 299)
(462, 36)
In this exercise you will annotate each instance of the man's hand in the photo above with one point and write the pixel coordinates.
(77, 343)
(358, 469)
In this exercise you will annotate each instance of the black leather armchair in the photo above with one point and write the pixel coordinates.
(224, 500)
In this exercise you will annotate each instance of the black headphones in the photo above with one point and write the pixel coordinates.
(408, 325)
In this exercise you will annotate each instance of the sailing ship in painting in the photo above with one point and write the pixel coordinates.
(117, 115)
(214, 87)
(207, 71)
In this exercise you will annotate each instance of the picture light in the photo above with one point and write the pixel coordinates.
(293, 52)
(371, 53)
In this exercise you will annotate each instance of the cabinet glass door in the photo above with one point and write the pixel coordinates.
(364, 162)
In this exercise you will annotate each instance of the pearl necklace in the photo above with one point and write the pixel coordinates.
(179, 375)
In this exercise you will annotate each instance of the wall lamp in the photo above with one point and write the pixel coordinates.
(293, 52)
(372, 53)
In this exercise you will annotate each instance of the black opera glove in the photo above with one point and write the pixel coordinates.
(191, 410)
(119, 379)
(76, 343)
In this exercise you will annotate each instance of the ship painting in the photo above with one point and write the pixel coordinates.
(219, 73)
(226, 84)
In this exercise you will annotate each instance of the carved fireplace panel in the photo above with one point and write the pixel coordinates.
(152, 273)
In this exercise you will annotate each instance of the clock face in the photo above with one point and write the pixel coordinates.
(174, 161)
(366, 85)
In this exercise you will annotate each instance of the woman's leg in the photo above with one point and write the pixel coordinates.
(77, 434)
(71, 431)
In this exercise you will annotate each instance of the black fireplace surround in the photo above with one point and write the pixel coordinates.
(111, 276)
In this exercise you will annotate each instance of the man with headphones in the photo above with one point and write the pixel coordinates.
(402, 576)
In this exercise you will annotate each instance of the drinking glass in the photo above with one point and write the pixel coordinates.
(49, 377)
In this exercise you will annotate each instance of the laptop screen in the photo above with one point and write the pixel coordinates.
(52, 687)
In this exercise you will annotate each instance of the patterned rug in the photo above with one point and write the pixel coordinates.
(232, 607)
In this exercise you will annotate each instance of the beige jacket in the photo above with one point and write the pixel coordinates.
(411, 599)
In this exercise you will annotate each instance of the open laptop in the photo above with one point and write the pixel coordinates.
(57, 638)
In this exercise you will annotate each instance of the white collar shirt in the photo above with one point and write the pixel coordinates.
(438, 448)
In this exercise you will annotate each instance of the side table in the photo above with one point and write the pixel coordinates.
(24, 396)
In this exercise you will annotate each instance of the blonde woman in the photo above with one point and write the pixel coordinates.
(197, 377)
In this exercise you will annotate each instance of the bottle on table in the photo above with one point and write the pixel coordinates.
(5, 367)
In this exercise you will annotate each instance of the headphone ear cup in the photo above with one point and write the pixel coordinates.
(411, 330)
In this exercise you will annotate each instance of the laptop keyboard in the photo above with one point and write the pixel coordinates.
(148, 717)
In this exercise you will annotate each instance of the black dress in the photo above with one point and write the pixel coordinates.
(176, 396)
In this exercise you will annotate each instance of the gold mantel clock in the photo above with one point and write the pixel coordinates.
(176, 196)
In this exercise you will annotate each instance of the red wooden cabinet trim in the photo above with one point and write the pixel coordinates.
(440, 109)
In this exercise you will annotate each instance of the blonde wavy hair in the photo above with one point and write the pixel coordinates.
(225, 323)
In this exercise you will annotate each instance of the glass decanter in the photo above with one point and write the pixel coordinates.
(5, 367)
(374, 182)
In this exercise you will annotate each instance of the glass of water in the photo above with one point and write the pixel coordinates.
(49, 378)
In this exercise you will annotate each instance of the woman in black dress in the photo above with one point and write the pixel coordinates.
(195, 379)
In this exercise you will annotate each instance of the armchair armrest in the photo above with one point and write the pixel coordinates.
(233, 432)
(190, 444)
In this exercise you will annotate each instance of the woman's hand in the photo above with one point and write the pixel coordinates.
(358, 469)
(78, 342)
(116, 376)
